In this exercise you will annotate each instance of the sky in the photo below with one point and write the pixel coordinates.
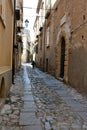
(29, 13)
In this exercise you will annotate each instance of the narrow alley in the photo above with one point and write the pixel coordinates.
(41, 102)
(43, 65)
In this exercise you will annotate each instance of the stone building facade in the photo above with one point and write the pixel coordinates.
(39, 35)
(64, 41)
(70, 35)
(18, 44)
(43, 29)
(6, 46)
(26, 46)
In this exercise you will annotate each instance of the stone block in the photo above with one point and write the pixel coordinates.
(28, 119)
(35, 127)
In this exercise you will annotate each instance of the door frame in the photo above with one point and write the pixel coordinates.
(61, 35)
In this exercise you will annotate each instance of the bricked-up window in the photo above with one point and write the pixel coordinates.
(48, 37)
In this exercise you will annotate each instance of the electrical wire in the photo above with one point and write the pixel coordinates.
(33, 16)
(34, 8)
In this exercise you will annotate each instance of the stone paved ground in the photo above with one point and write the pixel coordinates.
(59, 106)
(19, 111)
(39, 101)
(10, 114)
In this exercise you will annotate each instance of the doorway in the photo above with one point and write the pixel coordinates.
(2, 89)
(62, 59)
(46, 65)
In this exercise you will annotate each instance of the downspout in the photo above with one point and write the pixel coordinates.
(44, 46)
(13, 53)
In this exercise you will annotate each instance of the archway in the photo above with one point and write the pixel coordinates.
(62, 55)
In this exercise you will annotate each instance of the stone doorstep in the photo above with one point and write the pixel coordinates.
(28, 119)
(35, 127)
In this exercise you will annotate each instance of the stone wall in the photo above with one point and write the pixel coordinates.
(68, 20)
(5, 84)
(71, 23)
(6, 48)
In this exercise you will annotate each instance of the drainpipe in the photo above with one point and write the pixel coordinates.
(44, 46)
(13, 53)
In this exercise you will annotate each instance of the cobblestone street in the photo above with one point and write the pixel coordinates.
(41, 102)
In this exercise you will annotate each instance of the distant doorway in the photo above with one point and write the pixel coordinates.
(62, 59)
(46, 65)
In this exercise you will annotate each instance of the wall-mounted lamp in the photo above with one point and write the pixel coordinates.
(26, 23)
